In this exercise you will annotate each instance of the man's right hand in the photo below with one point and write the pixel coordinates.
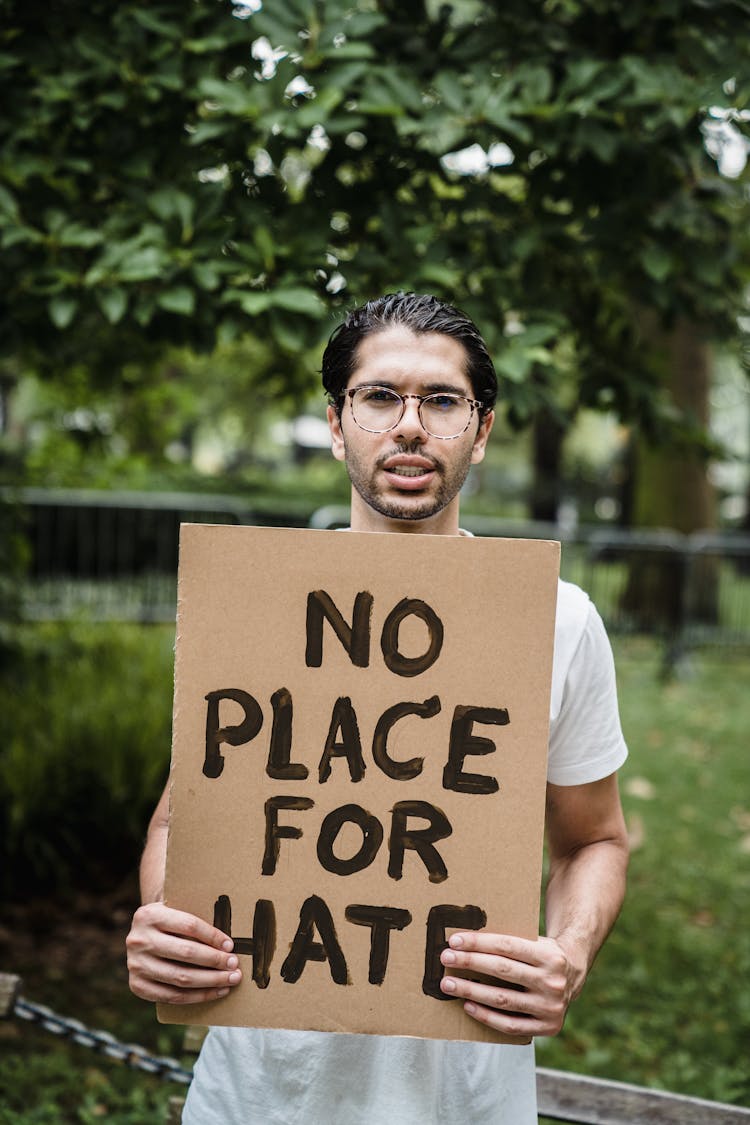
(176, 958)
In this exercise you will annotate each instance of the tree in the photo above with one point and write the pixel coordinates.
(188, 172)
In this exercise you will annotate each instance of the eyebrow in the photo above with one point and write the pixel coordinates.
(429, 388)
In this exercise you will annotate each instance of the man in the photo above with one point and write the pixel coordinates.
(411, 389)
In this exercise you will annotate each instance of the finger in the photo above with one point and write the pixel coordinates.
(516, 1027)
(165, 994)
(511, 1001)
(185, 977)
(185, 951)
(489, 965)
(501, 945)
(182, 924)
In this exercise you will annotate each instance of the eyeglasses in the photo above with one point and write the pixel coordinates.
(442, 414)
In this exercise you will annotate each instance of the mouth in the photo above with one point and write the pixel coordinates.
(409, 471)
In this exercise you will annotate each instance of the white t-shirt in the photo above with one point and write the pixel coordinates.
(246, 1076)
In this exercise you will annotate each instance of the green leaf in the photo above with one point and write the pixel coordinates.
(361, 24)
(436, 273)
(142, 265)
(534, 83)
(179, 300)
(264, 241)
(170, 203)
(75, 234)
(514, 363)
(250, 301)
(598, 140)
(8, 204)
(206, 275)
(451, 91)
(209, 44)
(287, 330)
(151, 22)
(316, 111)
(233, 98)
(62, 310)
(656, 262)
(113, 303)
(348, 51)
(299, 300)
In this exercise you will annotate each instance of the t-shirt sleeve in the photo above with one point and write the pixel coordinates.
(586, 740)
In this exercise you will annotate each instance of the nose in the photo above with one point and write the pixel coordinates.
(410, 426)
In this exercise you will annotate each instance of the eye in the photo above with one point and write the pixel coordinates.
(378, 396)
(443, 403)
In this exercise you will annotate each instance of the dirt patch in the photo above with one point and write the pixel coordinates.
(71, 957)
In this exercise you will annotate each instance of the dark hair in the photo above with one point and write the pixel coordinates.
(420, 312)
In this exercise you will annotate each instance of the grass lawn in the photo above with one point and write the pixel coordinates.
(668, 1001)
(667, 1004)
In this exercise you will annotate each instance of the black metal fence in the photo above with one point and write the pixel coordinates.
(113, 556)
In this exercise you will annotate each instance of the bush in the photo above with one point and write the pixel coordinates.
(86, 716)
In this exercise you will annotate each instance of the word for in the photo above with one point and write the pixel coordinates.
(401, 838)
(315, 918)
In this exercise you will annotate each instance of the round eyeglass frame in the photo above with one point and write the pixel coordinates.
(474, 403)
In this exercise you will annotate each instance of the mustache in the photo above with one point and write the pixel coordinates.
(415, 448)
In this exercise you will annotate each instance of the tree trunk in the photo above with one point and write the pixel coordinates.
(672, 490)
(547, 438)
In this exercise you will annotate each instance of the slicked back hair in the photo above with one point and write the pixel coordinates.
(419, 312)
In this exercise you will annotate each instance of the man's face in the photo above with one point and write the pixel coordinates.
(406, 475)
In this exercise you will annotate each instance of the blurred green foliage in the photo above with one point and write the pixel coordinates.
(84, 754)
(184, 174)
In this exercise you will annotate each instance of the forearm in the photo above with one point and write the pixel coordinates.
(154, 859)
(174, 957)
(585, 891)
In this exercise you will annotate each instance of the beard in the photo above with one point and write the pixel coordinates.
(446, 485)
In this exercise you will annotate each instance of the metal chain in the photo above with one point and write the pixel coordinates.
(129, 1053)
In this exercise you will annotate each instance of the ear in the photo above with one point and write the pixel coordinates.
(337, 436)
(480, 441)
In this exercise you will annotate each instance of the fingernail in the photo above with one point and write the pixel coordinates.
(470, 1008)
(448, 957)
(232, 962)
(448, 984)
(222, 992)
(456, 941)
(228, 946)
(235, 978)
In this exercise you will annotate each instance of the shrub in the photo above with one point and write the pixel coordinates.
(86, 717)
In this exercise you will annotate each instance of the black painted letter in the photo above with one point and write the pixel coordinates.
(372, 838)
(421, 840)
(343, 718)
(410, 665)
(400, 771)
(261, 945)
(440, 919)
(279, 766)
(355, 637)
(381, 920)
(463, 742)
(243, 732)
(315, 913)
(276, 831)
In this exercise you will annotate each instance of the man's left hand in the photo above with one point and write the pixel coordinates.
(535, 981)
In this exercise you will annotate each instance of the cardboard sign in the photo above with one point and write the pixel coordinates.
(359, 765)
